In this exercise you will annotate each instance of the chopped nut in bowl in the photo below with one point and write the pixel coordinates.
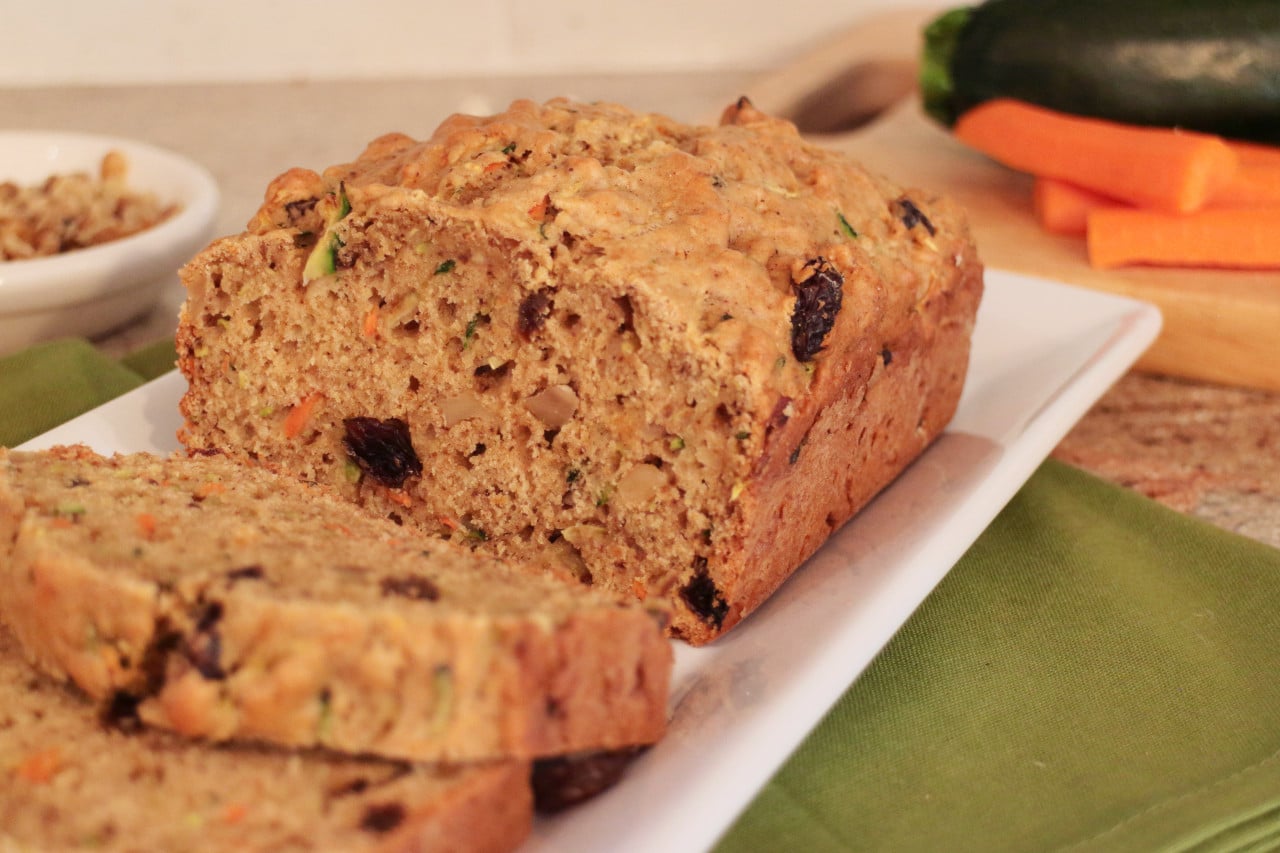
(92, 229)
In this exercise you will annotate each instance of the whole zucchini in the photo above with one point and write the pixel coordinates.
(1208, 65)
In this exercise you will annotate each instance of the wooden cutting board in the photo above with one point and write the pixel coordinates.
(1219, 325)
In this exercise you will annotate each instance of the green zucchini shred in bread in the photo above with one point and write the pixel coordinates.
(227, 602)
(665, 360)
(74, 780)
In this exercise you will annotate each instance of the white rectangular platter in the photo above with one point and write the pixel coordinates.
(1043, 354)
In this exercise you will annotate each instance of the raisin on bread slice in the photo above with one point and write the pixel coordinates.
(74, 779)
(668, 359)
(226, 601)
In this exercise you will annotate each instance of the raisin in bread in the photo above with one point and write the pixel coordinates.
(76, 780)
(668, 360)
(228, 602)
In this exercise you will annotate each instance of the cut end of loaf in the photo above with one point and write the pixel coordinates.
(76, 783)
(584, 334)
(226, 602)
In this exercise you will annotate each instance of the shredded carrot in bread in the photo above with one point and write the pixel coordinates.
(234, 813)
(40, 767)
(211, 488)
(146, 525)
(300, 414)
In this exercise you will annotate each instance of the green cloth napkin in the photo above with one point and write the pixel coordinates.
(51, 383)
(1097, 673)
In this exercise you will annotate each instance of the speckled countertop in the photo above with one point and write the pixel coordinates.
(1207, 450)
(1210, 451)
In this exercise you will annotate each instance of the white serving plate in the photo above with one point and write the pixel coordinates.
(1043, 353)
(92, 290)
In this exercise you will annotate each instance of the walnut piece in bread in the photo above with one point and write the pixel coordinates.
(665, 360)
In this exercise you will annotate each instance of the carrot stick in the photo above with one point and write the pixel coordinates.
(1255, 185)
(1235, 239)
(300, 414)
(370, 325)
(1255, 153)
(1063, 208)
(1150, 167)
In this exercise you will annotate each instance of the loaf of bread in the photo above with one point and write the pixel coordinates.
(225, 602)
(74, 779)
(665, 360)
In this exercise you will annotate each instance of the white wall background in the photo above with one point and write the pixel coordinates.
(71, 42)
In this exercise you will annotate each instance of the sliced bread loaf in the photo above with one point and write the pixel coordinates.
(225, 601)
(72, 779)
(670, 359)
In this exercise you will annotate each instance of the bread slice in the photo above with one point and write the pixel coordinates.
(668, 359)
(225, 601)
(71, 779)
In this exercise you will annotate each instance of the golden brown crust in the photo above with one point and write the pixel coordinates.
(856, 446)
(608, 334)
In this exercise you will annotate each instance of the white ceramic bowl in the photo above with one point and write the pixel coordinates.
(88, 291)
